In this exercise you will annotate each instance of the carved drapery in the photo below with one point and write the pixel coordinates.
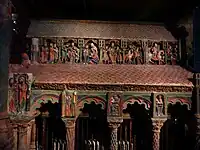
(70, 133)
(108, 51)
(157, 125)
(114, 123)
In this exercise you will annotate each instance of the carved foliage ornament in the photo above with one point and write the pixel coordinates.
(150, 88)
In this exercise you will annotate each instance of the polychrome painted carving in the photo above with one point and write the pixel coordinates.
(19, 92)
(107, 51)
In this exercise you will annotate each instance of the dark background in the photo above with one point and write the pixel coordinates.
(168, 12)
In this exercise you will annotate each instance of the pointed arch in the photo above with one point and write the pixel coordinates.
(182, 101)
(44, 98)
(89, 99)
(139, 100)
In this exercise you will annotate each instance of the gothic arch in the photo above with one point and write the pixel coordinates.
(182, 101)
(89, 99)
(139, 100)
(44, 98)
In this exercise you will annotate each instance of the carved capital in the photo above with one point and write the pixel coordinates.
(70, 122)
(157, 124)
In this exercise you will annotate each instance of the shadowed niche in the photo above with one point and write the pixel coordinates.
(138, 128)
(178, 131)
(92, 127)
(50, 126)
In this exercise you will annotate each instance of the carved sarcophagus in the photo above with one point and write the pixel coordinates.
(92, 42)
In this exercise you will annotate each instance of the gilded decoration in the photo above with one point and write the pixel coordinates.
(159, 105)
(147, 88)
(19, 92)
(107, 51)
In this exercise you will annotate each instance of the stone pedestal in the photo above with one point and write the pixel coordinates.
(70, 133)
(157, 125)
(114, 123)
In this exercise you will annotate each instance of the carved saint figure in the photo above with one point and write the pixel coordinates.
(51, 53)
(23, 91)
(105, 55)
(156, 56)
(55, 53)
(64, 54)
(159, 105)
(112, 52)
(119, 55)
(66, 104)
(73, 53)
(129, 55)
(86, 54)
(114, 105)
(93, 58)
(44, 53)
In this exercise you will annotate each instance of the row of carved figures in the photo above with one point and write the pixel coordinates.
(102, 51)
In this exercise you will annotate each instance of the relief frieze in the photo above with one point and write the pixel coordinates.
(146, 88)
(107, 51)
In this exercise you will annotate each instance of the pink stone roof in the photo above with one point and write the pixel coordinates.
(164, 75)
(99, 29)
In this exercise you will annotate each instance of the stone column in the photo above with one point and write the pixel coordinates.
(114, 123)
(33, 136)
(70, 135)
(157, 125)
(22, 139)
(196, 105)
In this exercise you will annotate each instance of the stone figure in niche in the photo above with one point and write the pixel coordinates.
(13, 95)
(169, 55)
(93, 56)
(73, 53)
(159, 105)
(129, 55)
(56, 53)
(23, 92)
(119, 57)
(64, 54)
(67, 104)
(156, 56)
(112, 52)
(20, 88)
(44, 53)
(175, 54)
(106, 55)
(51, 53)
(114, 105)
(86, 54)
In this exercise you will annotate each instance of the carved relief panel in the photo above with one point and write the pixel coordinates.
(106, 51)
(159, 105)
(68, 104)
(114, 108)
(19, 92)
